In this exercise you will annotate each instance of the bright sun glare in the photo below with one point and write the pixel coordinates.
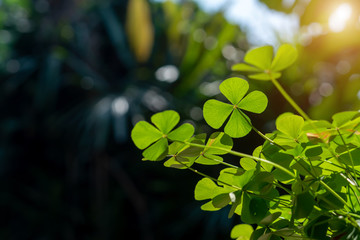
(338, 19)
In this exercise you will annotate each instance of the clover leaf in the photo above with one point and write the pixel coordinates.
(289, 128)
(239, 124)
(241, 231)
(155, 139)
(260, 63)
(209, 155)
(183, 155)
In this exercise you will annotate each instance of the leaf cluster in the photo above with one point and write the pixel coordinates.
(302, 182)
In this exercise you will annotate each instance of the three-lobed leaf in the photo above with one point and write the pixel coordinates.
(155, 139)
(234, 89)
(238, 125)
(261, 64)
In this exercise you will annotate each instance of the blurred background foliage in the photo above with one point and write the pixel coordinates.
(326, 79)
(75, 76)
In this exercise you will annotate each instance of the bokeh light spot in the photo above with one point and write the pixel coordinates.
(343, 67)
(199, 35)
(326, 89)
(154, 101)
(167, 73)
(196, 113)
(120, 106)
(210, 88)
(210, 42)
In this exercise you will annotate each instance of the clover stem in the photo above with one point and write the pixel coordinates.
(334, 193)
(350, 156)
(302, 113)
(239, 154)
(260, 133)
(207, 176)
(288, 98)
(266, 138)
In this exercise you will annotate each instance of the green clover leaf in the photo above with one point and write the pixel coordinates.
(289, 128)
(260, 63)
(234, 89)
(209, 155)
(155, 139)
(183, 155)
(241, 231)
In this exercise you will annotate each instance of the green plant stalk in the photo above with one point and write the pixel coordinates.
(351, 202)
(207, 176)
(223, 163)
(354, 179)
(298, 109)
(239, 154)
(283, 188)
(229, 185)
(289, 99)
(305, 116)
(334, 193)
(350, 156)
(260, 133)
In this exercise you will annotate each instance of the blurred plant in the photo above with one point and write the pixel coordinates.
(74, 76)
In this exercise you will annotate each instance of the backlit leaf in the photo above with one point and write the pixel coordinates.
(179, 162)
(241, 232)
(206, 189)
(209, 207)
(290, 124)
(243, 67)
(144, 134)
(216, 112)
(157, 151)
(264, 76)
(248, 163)
(234, 89)
(342, 118)
(182, 133)
(238, 125)
(285, 56)
(260, 57)
(165, 120)
(236, 177)
(255, 102)
(208, 159)
(219, 140)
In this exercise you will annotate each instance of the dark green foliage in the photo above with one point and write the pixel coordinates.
(72, 84)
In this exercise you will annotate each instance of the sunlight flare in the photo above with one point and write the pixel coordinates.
(339, 18)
